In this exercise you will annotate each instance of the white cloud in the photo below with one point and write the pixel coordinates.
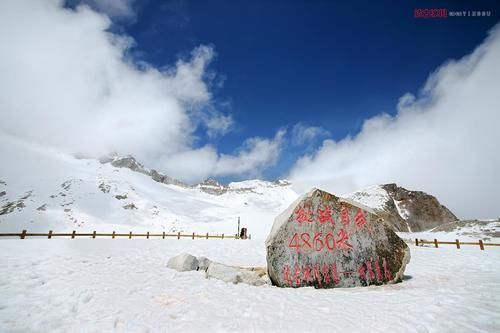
(445, 141)
(302, 134)
(113, 8)
(67, 83)
(255, 155)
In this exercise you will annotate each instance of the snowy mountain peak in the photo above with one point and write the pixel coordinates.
(404, 209)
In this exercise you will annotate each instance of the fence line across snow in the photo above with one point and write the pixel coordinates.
(24, 234)
(457, 243)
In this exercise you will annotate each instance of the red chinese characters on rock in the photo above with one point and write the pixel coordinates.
(306, 243)
(369, 273)
(309, 274)
(360, 218)
(344, 216)
(323, 275)
(325, 215)
(304, 215)
(342, 241)
(286, 275)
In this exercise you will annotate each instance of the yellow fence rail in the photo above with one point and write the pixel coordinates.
(24, 234)
(457, 243)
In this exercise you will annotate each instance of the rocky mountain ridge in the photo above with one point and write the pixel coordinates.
(405, 210)
(210, 185)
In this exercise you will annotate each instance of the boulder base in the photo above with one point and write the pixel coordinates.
(327, 242)
(232, 274)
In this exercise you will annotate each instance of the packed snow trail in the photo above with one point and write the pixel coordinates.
(122, 285)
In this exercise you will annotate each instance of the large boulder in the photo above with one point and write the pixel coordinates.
(326, 242)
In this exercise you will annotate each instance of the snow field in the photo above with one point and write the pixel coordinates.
(95, 285)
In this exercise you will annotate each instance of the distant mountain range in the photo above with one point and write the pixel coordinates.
(41, 189)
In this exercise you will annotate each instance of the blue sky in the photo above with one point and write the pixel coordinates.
(323, 63)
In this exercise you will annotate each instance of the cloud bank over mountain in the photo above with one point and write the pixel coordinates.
(68, 82)
(443, 141)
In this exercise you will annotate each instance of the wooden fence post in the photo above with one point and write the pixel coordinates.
(113, 235)
(207, 235)
(179, 235)
(481, 245)
(23, 234)
(147, 235)
(93, 234)
(193, 235)
(73, 234)
(458, 243)
(416, 241)
(130, 235)
(435, 242)
(222, 236)
(163, 235)
(50, 234)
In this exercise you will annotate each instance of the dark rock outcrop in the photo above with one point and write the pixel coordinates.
(422, 211)
(403, 209)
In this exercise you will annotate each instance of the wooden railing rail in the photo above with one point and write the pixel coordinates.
(457, 243)
(25, 234)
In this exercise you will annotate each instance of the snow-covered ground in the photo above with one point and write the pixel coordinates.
(122, 285)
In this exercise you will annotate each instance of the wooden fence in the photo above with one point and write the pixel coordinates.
(457, 243)
(24, 234)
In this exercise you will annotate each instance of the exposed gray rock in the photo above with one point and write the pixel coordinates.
(19, 204)
(2, 193)
(161, 178)
(203, 263)
(42, 208)
(232, 274)
(404, 210)
(253, 276)
(326, 242)
(105, 188)
(212, 186)
(9, 207)
(129, 162)
(66, 185)
(424, 211)
(130, 206)
(183, 262)
(121, 196)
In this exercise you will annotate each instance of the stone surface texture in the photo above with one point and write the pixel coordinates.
(325, 241)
